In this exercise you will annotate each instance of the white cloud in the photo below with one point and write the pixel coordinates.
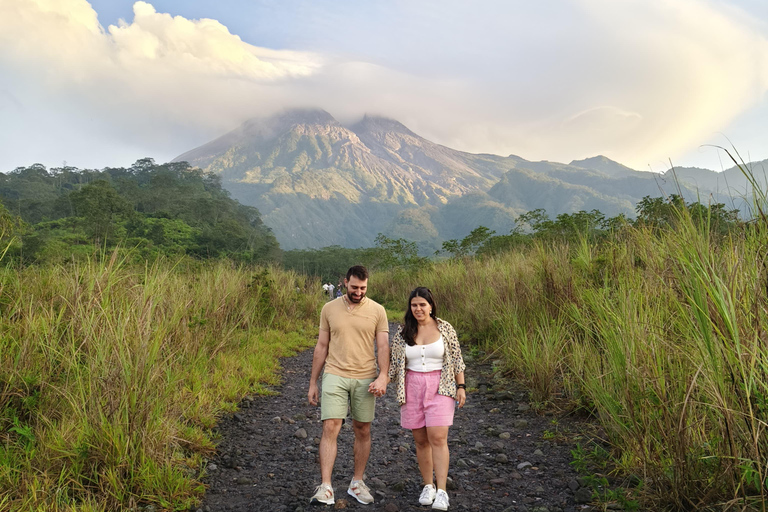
(145, 84)
(638, 81)
(203, 47)
(689, 70)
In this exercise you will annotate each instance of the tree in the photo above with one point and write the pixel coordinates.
(536, 220)
(99, 206)
(393, 253)
(469, 244)
(11, 227)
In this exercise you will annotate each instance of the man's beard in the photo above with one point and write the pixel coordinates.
(353, 300)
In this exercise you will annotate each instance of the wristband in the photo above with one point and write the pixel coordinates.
(461, 386)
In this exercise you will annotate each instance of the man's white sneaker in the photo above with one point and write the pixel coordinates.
(441, 500)
(360, 491)
(323, 495)
(427, 495)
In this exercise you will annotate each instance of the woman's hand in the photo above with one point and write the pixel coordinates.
(461, 397)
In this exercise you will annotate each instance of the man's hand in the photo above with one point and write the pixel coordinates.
(313, 393)
(379, 386)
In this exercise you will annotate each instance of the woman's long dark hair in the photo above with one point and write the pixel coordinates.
(411, 327)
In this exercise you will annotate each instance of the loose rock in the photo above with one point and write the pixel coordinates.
(256, 447)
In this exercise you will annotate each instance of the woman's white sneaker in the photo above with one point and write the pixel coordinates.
(427, 495)
(441, 500)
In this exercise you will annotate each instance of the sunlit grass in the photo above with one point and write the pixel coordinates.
(661, 334)
(111, 376)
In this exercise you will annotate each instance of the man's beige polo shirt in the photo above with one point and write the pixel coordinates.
(351, 351)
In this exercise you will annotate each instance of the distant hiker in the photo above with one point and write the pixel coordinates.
(352, 329)
(330, 291)
(338, 292)
(428, 370)
(325, 287)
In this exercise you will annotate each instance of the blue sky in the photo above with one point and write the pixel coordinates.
(645, 83)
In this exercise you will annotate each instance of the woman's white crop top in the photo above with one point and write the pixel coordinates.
(425, 358)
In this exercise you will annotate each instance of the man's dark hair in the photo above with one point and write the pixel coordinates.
(358, 271)
(411, 327)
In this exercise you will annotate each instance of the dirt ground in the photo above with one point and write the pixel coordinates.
(504, 455)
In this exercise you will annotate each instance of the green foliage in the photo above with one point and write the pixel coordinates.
(653, 213)
(112, 375)
(151, 209)
(11, 227)
(99, 207)
(394, 253)
(330, 264)
(592, 464)
(469, 244)
(660, 213)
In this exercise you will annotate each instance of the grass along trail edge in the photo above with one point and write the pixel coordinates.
(111, 376)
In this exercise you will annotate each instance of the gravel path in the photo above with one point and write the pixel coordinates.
(500, 459)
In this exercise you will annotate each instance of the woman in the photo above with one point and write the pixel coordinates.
(428, 370)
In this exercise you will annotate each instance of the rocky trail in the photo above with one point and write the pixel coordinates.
(504, 455)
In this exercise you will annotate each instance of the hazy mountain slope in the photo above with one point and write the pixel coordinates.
(318, 183)
(522, 188)
(604, 165)
(309, 152)
(454, 170)
(730, 183)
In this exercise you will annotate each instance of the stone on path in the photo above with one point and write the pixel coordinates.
(583, 495)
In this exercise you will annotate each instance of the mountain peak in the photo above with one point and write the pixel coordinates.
(291, 117)
(378, 124)
(603, 164)
(261, 130)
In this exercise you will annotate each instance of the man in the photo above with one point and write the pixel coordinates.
(349, 327)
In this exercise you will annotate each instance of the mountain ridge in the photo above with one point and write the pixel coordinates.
(319, 183)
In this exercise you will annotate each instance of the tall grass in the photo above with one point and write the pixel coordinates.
(663, 335)
(111, 375)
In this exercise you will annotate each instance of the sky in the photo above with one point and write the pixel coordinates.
(644, 82)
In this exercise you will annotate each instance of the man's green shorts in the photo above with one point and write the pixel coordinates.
(341, 393)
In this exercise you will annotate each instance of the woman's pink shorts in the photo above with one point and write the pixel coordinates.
(424, 407)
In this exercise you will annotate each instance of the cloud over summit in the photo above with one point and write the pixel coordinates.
(639, 81)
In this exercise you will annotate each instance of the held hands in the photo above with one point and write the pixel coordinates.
(461, 397)
(379, 386)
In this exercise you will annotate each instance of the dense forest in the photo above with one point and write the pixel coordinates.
(147, 209)
(535, 227)
(173, 209)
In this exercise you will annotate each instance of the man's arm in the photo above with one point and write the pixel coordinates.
(379, 386)
(318, 360)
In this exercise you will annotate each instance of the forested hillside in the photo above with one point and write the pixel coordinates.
(148, 209)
